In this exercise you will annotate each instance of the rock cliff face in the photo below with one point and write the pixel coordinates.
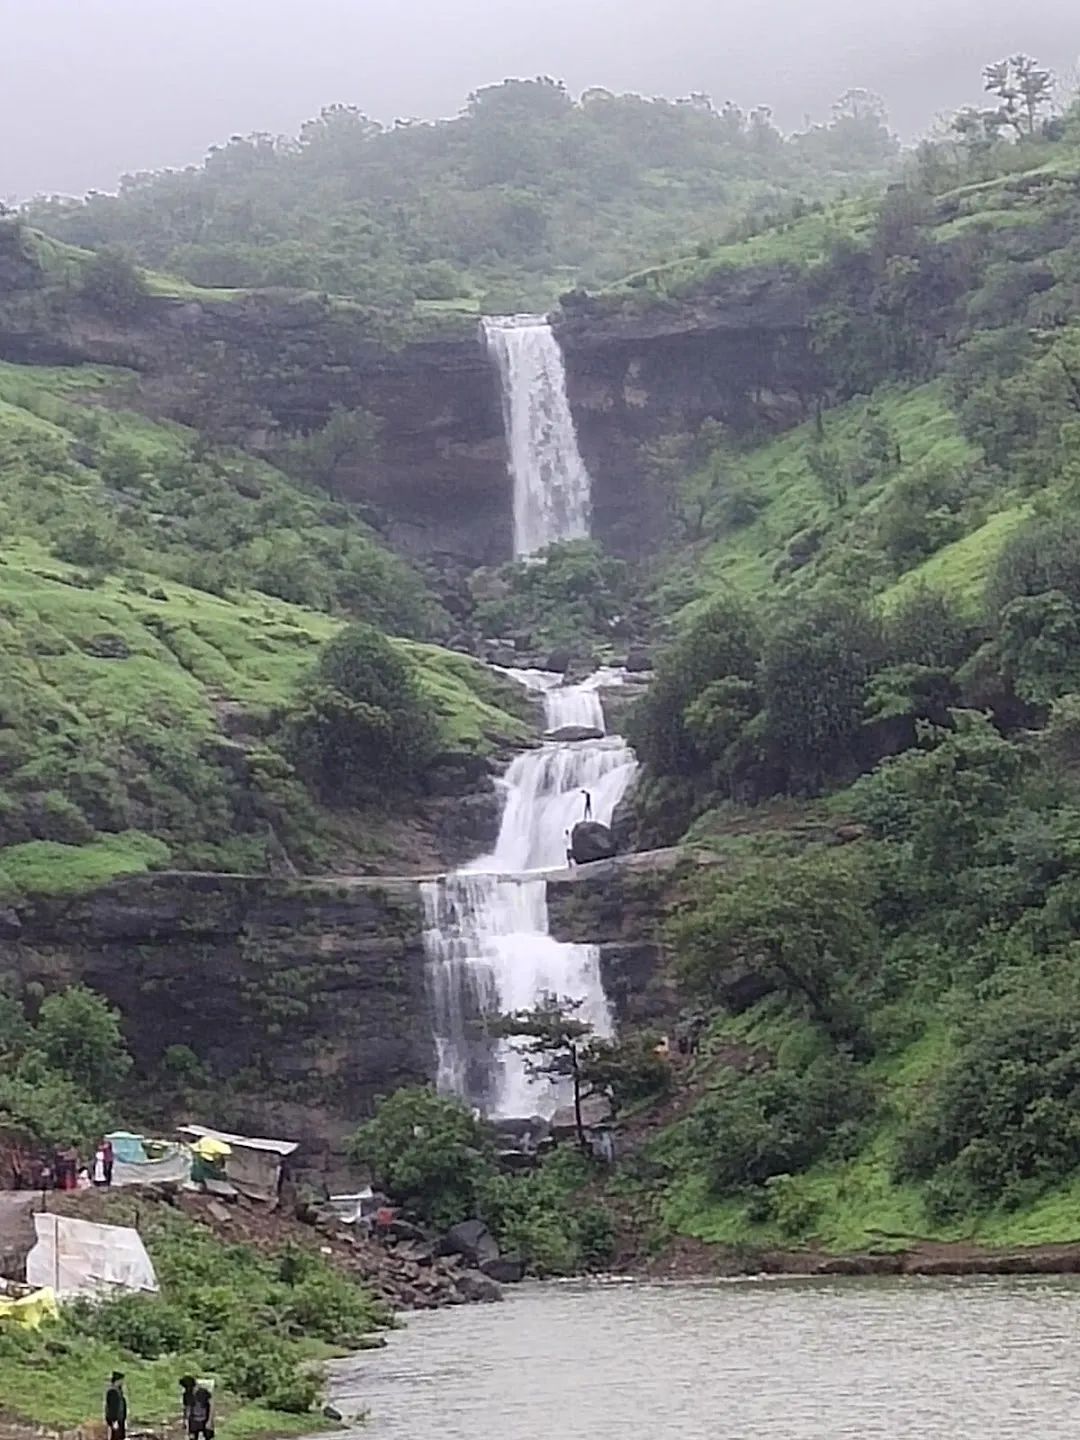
(252, 367)
(304, 999)
(740, 356)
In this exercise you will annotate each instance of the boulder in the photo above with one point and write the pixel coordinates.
(504, 1271)
(472, 1240)
(638, 660)
(590, 841)
(473, 1285)
(568, 733)
(559, 661)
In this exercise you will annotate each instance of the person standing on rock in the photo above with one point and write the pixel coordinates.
(588, 805)
(116, 1407)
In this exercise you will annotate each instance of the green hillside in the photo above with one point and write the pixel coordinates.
(868, 705)
(161, 604)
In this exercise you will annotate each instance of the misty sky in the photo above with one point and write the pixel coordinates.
(90, 89)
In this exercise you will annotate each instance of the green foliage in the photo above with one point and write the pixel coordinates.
(719, 645)
(1001, 1124)
(363, 729)
(113, 285)
(60, 1073)
(429, 1150)
(570, 596)
(506, 204)
(751, 1128)
(799, 926)
(79, 1035)
(234, 1312)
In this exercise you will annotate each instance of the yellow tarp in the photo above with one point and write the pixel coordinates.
(31, 1310)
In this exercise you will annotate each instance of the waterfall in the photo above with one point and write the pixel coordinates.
(488, 944)
(551, 484)
(487, 936)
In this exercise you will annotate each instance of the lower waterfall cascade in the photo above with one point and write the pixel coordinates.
(487, 937)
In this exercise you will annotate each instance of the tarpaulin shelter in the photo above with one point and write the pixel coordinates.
(174, 1166)
(78, 1257)
(253, 1165)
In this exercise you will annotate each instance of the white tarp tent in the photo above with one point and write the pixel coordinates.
(253, 1165)
(174, 1167)
(77, 1257)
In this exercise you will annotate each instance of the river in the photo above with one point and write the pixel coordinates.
(965, 1359)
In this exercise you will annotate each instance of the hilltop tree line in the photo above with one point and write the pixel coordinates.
(525, 193)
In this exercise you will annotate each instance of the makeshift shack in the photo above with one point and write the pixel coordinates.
(138, 1161)
(251, 1165)
(77, 1257)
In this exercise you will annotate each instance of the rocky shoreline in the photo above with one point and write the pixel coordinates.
(686, 1259)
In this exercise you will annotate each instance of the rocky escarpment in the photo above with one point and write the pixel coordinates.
(251, 368)
(303, 1000)
(306, 999)
(740, 355)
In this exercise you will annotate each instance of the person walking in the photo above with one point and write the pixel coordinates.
(108, 1158)
(116, 1407)
(200, 1421)
(187, 1394)
(98, 1175)
(588, 804)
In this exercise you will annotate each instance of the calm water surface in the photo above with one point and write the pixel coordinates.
(786, 1360)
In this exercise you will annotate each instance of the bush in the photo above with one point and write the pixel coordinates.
(364, 729)
(1001, 1125)
(752, 1127)
(430, 1150)
(113, 284)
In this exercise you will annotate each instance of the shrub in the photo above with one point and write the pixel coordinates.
(430, 1150)
(363, 728)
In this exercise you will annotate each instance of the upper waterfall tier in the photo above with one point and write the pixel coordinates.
(551, 483)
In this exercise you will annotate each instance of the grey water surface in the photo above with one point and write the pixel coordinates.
(908, 1359)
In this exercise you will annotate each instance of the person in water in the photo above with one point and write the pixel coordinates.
(588, 804)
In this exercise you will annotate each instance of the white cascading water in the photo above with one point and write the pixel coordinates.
(488, 942)
(551, 484)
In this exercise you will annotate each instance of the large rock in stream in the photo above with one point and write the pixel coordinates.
(590, 841)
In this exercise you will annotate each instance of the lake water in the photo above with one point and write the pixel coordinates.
(746, 1360)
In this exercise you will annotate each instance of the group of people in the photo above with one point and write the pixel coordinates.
(196, 1405)
(65, 1171)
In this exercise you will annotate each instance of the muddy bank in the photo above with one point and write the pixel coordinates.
(686, 1259)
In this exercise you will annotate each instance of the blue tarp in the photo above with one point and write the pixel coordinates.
(128, 1148)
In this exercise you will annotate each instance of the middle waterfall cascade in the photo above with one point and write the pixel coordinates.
(487, 926)
(551, 484)
(487, 937)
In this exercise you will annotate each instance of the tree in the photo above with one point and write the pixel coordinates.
(318, 457)
(113, 284)
(801, 926)
(428, 1149)
(1024, 89)
(555, 1044)
(363, 728)
(79, 1034)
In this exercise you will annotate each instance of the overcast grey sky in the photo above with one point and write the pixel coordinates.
(90, 89)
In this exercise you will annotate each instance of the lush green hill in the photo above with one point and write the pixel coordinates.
(875, 631)
(524, 195)
(161, 604)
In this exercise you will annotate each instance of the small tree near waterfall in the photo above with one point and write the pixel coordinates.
(555, 1045)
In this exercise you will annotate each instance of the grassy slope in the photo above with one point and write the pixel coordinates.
(856, 1204)
(792, 503)
(186, 652)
